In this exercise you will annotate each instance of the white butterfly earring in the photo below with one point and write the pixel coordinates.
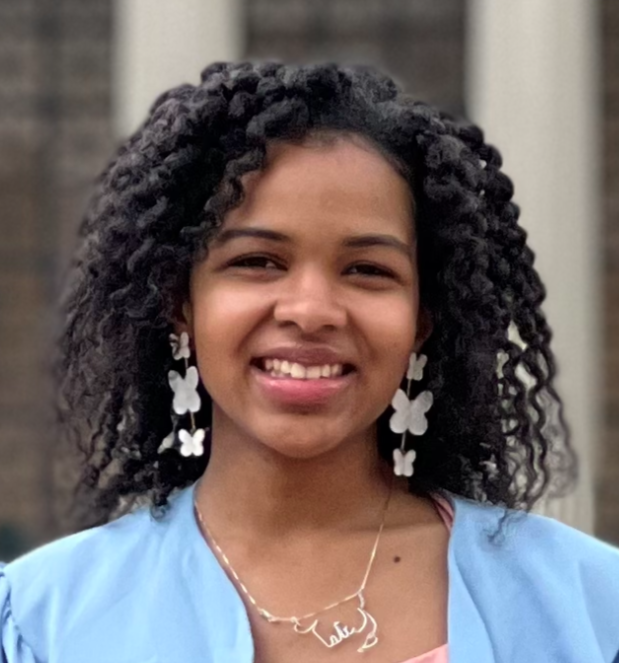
(186, 400)
(409, 415)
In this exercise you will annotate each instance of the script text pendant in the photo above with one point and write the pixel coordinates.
(366, 627)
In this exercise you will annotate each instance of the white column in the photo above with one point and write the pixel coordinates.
(532, 85)
(159, 44)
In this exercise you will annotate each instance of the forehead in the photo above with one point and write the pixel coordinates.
(338, 184)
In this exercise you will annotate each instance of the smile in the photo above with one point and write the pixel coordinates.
(279, 368)
(293, 384)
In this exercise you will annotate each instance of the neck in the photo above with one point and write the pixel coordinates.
(253, 491)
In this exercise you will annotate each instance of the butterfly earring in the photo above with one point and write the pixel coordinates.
(409, 415)
(186, 400)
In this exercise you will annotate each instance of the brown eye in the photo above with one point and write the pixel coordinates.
(365, 269)
(255, 262)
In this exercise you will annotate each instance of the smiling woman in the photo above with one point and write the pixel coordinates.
(306, 365)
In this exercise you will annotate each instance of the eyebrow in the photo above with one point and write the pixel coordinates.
(355, 242)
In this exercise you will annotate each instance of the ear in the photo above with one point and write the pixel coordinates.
(183, 320)
(425, 326)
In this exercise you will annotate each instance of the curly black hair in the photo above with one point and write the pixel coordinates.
(496, 432)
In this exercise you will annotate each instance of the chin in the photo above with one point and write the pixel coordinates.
(300, 447)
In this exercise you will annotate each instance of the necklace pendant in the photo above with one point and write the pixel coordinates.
(365, 627)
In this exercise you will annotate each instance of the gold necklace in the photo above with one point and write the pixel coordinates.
(338, 632)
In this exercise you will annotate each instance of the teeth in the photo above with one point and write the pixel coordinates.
(279, 368)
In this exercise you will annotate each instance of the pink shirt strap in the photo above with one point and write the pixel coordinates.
(438, 655)
(445, 510)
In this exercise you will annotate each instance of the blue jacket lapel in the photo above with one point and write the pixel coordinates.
(196, 597)
(468, 637)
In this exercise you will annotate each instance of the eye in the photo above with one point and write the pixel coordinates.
(268, 263)
(254, 262)
(366, 269)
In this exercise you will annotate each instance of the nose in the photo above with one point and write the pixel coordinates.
(310, 301)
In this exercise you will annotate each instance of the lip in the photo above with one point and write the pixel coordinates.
(290, 391)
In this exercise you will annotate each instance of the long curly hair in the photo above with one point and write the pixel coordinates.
(496, 431)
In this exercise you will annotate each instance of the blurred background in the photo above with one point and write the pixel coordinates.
(540, 76)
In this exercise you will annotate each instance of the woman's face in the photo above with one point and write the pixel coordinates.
(305, 312)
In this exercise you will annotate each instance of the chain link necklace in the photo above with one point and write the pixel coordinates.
(366, 626)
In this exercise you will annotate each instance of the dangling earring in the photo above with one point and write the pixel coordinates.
(186, 400)
(409, 415)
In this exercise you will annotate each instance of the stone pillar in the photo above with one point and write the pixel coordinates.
(165, 43)
(607, 516)
(532, 84)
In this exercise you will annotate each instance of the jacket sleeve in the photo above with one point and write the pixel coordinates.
(13, 648)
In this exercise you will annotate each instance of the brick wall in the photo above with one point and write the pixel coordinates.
(420, 42)
(54, 137)
(608, 488)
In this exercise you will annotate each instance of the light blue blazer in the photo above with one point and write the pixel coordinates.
(144, 591)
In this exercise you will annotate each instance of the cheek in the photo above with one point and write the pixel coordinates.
(222, 321)
(391, 330)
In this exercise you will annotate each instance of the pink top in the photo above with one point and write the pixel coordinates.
(438, 655)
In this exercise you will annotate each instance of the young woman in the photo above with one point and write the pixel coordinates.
(305, 361)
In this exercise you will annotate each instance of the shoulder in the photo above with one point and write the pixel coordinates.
(82, 574)
(544, 575)
(66, 561)
(532, 538)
